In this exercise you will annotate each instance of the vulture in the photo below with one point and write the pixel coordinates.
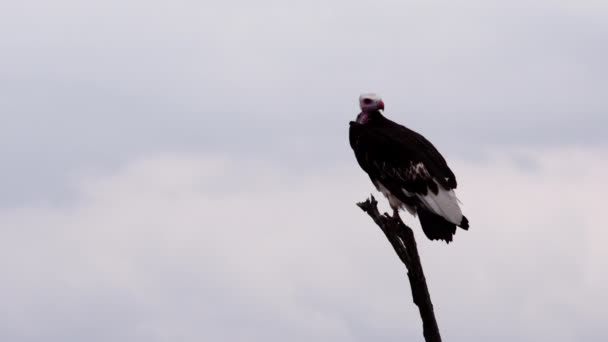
(407, 169)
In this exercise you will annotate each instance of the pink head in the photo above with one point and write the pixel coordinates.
(369, 103)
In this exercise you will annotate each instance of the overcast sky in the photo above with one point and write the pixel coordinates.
(180, 171)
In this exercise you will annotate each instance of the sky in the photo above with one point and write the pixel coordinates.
(180, 171)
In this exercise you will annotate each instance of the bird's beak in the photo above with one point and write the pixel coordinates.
(380, 105)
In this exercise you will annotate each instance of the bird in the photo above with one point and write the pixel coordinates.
(407, 169)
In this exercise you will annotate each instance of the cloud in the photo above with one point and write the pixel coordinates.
(194, 247)
(95, 85)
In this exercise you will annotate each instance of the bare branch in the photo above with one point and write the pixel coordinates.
(402, 239)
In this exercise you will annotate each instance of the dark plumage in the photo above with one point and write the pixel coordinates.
(407, 169)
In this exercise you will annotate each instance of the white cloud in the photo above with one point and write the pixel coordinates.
(95, 84)
(195, 248)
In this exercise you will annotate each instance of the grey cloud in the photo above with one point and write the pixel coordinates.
(157, 251)
(184, 248)
(93, 85)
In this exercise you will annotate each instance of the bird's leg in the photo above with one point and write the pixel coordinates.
(396, 214)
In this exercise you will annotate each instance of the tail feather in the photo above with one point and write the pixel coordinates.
(464, 223)
(436, 227)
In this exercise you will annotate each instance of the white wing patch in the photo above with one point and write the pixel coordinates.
(444, 203)
(394, 202)
(416, 171)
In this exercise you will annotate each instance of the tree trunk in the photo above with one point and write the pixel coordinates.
(402, 239)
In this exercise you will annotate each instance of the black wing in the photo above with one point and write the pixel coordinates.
(400, 158)
(429, 156)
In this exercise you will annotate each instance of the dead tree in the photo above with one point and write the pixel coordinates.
(402, 238)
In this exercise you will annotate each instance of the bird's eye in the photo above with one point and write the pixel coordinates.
(367, 101)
